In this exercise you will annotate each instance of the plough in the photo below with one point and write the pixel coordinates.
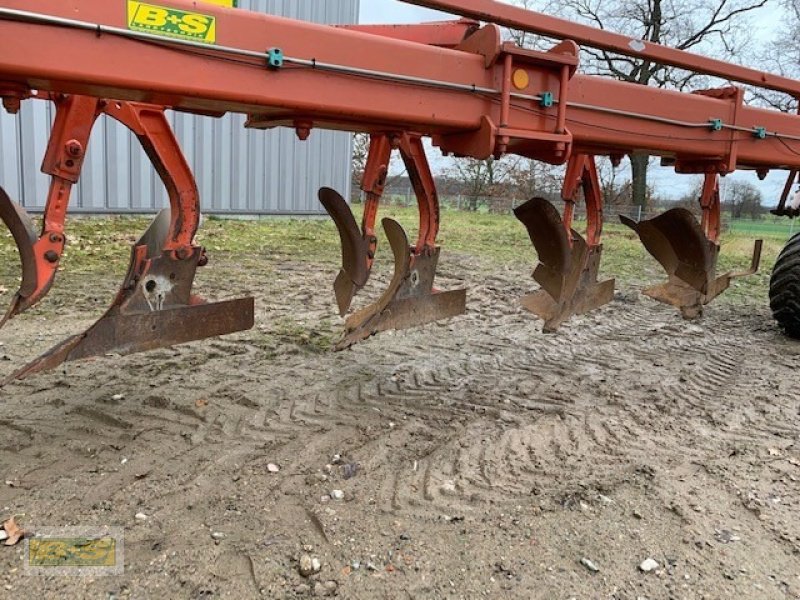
(457, 83)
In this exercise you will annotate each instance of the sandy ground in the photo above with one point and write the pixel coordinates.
(477, 457)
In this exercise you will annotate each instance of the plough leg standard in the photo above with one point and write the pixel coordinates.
(688, 251)
(457, 83)
(568, 263)
(154, 306)
(410, 298)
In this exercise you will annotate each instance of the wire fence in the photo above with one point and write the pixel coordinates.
(763, 225)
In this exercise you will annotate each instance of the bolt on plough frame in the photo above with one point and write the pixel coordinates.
(456, 82)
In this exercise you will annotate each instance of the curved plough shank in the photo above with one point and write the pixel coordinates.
(154, 306)
(567, 269)
(410, 298)
(41, 253)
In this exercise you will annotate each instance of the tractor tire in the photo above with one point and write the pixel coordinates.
(784, 288)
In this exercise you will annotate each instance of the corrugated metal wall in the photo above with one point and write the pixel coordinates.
(237, 170)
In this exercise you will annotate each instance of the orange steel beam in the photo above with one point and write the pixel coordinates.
(515, 17)
(342, 79)
(447, 34)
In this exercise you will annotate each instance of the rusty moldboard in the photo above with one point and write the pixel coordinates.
(24, 234)
(567, 272)
(131, 333)
(354, 273)
(677, 241)
(154, 308)
(582, 294)
(409, 300)
(407, 313)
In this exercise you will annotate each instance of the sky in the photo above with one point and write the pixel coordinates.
(392, 11)
(668, 184)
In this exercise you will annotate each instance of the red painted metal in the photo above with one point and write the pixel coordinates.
(600, 119)
(359, 247)
(447, 34)
(154, 133)
(40, 255)
(375, 172)
(582, 172)
(472, 93)
(419, 172)
(66, 149)
(709, 203)
(515, 17)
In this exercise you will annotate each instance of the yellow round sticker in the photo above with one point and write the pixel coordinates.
(521, 79)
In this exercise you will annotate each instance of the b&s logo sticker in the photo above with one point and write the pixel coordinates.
(170, 22)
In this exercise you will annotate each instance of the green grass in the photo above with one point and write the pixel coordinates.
(100, 246)
(777, 228)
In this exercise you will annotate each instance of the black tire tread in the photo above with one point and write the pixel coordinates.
(784, 288)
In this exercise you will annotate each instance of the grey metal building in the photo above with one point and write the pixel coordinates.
(238, 171)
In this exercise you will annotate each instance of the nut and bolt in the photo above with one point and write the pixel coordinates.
(74, 148)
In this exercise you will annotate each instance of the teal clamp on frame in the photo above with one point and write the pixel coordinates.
(546, 100)
(274, 58)
(715, 124)
(760, 133)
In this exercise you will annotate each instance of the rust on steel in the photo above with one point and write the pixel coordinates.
(410, 298)
(354, 272)
(153, 308)
(688, 250)
(474, 94)
(24, 233)
(359, 245)
(568, 264)
(40, 253)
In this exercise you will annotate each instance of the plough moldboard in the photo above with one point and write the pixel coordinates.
(457, 83)
(688, 250)
(154, 306)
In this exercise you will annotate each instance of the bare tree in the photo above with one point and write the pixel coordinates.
(358, 165)
(528, 178)
(743, 199)
(359, 161)
(501, 184)
(479, 178)
(781, 55)
(711, 27)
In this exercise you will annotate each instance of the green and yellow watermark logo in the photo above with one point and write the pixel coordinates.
(75, 551)
(171, 22)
